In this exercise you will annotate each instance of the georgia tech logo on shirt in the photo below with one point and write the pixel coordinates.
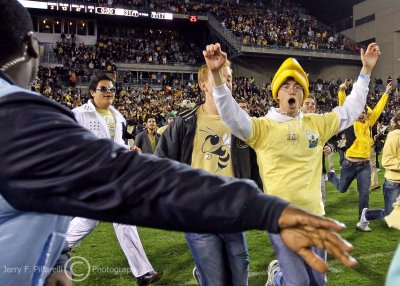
(312, 139)
(215, 145)
(291, 137)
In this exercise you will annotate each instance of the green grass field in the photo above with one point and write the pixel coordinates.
(168, 251)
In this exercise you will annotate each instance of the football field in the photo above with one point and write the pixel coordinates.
(100, 261)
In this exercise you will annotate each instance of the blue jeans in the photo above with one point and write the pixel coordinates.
(391, 191)
(293, 270)
(348, 173)
(341, 155)
(221, 259)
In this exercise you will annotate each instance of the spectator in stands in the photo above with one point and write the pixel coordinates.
(170, 118)
(243, 105)
(286, 135)
(147, 140)
(199, 138)
(68, 171)
(282, 27)
(73, 79)
(100, 117)
(356, 163)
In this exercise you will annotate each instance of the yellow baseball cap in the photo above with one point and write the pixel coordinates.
(290, 68)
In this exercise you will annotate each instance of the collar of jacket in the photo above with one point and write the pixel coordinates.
(6, 78)
(189, 113)
(275, 115)
(114, 111)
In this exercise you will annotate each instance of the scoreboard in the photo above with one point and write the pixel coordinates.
(93, 9)
(66, 7)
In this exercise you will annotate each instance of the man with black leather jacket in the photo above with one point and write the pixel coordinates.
(204, 142)
(180, 149)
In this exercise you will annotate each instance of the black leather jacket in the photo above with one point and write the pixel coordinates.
(49, 163)
(177, 143)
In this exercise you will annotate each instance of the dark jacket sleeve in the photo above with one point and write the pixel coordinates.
(139, 141)
(125, 133)
(48, 163)
(170, 145)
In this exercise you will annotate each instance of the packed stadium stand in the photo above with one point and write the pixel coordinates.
(153, 48)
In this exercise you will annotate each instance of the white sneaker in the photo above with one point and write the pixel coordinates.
(194, 272)
(362, 225)
(273, 267)
(363, 219)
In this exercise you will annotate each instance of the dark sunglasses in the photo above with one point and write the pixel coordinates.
(106, 89)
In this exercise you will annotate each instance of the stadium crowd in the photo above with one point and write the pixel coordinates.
(283, 27)
(273, 24)
(141, 46)
(135, 102)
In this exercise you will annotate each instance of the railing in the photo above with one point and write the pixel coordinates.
(224, 33)
(332, 51)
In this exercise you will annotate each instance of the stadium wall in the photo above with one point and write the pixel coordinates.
(383, 28)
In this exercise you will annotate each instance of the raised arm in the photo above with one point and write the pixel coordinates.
(355, 102)
(342, 93)
(237, 120)
(380, 106)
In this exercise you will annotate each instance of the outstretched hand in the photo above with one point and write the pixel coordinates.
(300, 230)
(215, 58)
(389, 87)
(370, 56)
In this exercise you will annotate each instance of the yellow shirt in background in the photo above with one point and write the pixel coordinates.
(391, 156)
(212, 145)
(110, 120)
(153, 142)
(289, 156)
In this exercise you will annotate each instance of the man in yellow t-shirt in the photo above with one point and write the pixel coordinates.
(289, 145)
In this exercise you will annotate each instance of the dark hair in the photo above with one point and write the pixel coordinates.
(149, 116)
(95, 81)
(15, 23)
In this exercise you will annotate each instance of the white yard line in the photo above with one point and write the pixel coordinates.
(335, 266)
